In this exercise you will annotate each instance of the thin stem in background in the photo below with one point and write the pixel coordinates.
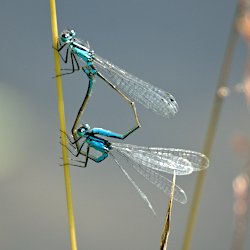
(210, 136)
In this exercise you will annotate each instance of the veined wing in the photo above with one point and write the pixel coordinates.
(153, 177)
(161, 102)
(168, 160)
(198, 160)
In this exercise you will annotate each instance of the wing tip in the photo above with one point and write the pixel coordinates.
(181, 197)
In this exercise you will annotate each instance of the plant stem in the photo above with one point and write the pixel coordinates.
(63, 128)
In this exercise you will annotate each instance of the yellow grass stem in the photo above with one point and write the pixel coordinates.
(63, 128)
(210, 136)
(166, 228)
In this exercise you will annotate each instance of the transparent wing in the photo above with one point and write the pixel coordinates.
(156, 179)
(143, 196)
(161, 102)
(198, 161)
(168, 160)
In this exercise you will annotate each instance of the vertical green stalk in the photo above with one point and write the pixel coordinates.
(63, 128)
(210, 136)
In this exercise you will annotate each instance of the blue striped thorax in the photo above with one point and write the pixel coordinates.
(82, 51)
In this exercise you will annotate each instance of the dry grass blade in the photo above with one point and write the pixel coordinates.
(212, 127)
(166, 228)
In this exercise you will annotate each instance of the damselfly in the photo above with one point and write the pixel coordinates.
(125, 84)
(147, 161)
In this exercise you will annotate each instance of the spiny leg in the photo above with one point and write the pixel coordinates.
(87, 157)
(98, 159)
(81, 153)
(78, 151)
(65, 60)
(73, 58)
(73, 69)
(73, 153)
(68, 137)
(59, 48)
(103, 156)
(138, 125)
(74, 160)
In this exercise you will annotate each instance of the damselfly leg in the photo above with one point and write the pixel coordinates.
(86, 154)
(65, 60)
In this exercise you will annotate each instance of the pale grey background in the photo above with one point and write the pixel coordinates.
(176, 45)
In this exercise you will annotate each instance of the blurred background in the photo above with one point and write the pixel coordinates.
(177, 46)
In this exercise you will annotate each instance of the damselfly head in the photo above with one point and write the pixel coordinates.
(83, 129)
(67, 36)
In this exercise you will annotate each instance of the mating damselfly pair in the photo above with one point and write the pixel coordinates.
(147, 161)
